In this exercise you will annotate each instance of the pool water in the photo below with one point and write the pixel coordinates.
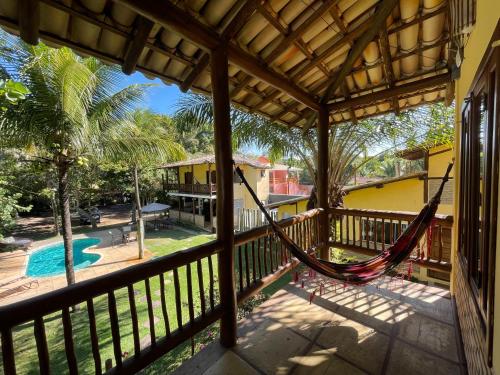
(49, 260)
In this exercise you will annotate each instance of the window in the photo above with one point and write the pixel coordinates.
(479, 190)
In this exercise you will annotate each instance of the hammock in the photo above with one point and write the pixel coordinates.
(368, 270)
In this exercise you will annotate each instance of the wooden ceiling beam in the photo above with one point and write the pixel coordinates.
(378, 21)
(338, 21)
(29, 20)
(387, 61)
(296, 33)
(167, 14)
(136, 44)
(345, 91)
(391, 92)
(236, 23)
(240, 86)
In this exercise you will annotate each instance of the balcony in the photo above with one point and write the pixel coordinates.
(132, 318)
(203, 189)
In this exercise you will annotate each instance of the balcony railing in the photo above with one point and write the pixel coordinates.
(192, 188)
(370, 231)
(260, 258)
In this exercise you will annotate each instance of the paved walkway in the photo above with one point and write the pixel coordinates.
(387, 329)
(15, 286)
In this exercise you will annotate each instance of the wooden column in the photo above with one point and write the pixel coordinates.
(225, 195)
(322, 180)
(210, 201)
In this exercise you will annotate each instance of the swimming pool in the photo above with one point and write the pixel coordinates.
(49, 260)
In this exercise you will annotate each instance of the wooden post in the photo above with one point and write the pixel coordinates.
(225, 195)
(210, 201)
(322, 180)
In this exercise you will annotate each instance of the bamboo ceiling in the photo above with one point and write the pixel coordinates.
(287, 57)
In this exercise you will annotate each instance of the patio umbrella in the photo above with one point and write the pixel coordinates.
(153, 208)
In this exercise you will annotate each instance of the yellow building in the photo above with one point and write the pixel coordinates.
(194, 183)
(408, 193)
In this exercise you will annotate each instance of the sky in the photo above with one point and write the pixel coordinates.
(161, 98)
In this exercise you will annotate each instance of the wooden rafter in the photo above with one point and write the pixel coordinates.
(29, 20)
(240, 86)
(136, 44)
(387, 61)
(297, 33)
(345, 92)
(167, 14)
(274, 20)
(268, 99)
(392, 92)
(378, 21)
(236, 23)
(338, 21)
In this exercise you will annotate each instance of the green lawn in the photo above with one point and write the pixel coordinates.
(159, 243)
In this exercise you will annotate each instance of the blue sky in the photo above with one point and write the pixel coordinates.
(161, 99)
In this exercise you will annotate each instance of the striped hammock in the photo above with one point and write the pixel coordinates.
(371, 269)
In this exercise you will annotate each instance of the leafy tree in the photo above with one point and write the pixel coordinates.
(154, 144)
(73, 113)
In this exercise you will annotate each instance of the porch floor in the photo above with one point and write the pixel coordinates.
(384, 329)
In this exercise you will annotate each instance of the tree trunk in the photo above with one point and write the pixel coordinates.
(140, 222)
(64, 209)
(54, 213)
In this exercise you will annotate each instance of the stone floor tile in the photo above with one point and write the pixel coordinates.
(271, 347)
(406, 359)
(230, 364)
(356, 343)
(429, 334)
(321, 361)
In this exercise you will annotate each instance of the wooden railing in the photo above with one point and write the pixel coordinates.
(192, 188)
(115, 300)
(369, 232)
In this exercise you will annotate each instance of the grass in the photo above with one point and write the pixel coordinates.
(159, 243)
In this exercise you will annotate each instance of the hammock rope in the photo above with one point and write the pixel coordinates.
(373, 268)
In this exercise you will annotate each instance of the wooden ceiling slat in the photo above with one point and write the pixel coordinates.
(378, 21)
(392, 92)
(240, 86)
(240, 18)
(136, 44)
(387, 61)
(168, 15)
(295, 34)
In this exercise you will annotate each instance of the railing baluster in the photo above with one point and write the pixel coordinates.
(440, 243)
(151, 316)
(178, 308)
(94, 339)
(240, 269)
(201, 287)
(391, 232)
(254, 270)
(190, 292)
(211, 287)
(265, 254)
(115, 328)
(341, 228)
(9, 361)
(375, 234)
(164, 305)
(133, 316)
(271, 248)
(383, 234)
(347, 231)
(247, 266)
(354, 230)
(41, 346)
(259, 263)
(69, 346)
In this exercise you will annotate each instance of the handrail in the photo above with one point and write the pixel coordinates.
(22, 311)
(384, 214)
(260, 259)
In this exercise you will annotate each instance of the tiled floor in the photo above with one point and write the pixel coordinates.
(387, 329)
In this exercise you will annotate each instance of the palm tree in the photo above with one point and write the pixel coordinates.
(346, 142)
(74, 112)
(153, 143)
